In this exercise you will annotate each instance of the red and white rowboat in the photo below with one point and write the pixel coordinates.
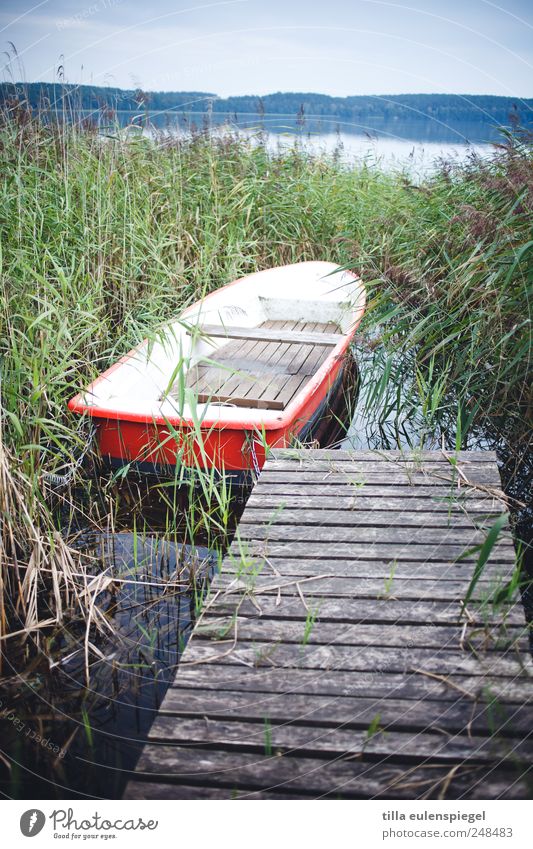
(250, 365)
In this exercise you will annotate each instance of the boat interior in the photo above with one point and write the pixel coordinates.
(263, 367)
(252, 345)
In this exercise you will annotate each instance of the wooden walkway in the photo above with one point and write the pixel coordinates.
(336, 656)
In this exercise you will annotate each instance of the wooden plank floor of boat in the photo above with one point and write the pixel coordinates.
(261, 374)
(343, 650)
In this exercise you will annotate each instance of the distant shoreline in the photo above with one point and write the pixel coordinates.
(437, 107)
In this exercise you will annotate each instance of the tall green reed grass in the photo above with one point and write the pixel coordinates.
(106, 236)
(452, 295)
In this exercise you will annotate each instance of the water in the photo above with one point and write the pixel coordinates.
(66, 738)
(415, 145)
(386, 151)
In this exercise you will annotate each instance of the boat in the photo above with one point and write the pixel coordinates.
(251, 366)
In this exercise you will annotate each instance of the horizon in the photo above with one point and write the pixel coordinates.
(212, 94)
(352, 48)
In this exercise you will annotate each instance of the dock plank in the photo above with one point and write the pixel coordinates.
(378, 685)
(289, 515)
(387, 570)
(356, 503)
(358, 658)
(347, 711)
(313, 777)
(378, 551)
(442, 637)
(278, 530)
(372, 588)
(340, 608)
(337, 742)
(386, 609)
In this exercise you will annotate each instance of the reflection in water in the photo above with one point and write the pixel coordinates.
(419, 130)
(93, 734)
(412, 145)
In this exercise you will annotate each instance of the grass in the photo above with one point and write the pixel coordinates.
(389, 580)
(485, 550)
(105, 238)
(452, 293)
(267, 733)
(309, 624)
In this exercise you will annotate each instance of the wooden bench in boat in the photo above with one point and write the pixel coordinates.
(263, 367)
(262, 334)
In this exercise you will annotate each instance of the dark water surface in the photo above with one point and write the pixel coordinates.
(91, 735)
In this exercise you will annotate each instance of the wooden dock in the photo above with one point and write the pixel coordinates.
(345, 651)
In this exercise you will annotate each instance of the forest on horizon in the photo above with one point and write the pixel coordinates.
(443, 107)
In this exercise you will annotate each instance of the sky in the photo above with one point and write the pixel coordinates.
(336, 47)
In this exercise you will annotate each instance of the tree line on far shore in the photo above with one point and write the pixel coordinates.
(441, 107)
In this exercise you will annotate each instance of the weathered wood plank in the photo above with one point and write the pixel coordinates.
(355, 588)
(349, 455)
(312, 741)
(459, 716)
(303, 517)
(359, 658)
(212, 627)
(319, 776)
(239, 400)
(416, 470)
(367, 610)
(364, 550)
(288, 391)
(358, 502)
(389, 570)
(375, 684)
(360, 476)
(468, 536)
(348, 712)
(239, 385)
(334, 487)
(153, 790)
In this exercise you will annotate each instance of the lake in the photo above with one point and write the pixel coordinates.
(412, 144)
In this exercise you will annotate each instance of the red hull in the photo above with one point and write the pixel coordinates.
(224, 447)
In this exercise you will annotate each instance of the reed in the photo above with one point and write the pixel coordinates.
(451, 297)
(104, 237)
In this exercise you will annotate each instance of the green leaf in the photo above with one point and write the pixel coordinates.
(484, 554)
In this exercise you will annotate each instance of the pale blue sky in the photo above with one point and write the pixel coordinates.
(337, 47)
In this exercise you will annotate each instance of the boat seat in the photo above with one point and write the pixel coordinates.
(262, 334)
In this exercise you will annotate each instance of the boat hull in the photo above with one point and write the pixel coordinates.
(190, 398)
